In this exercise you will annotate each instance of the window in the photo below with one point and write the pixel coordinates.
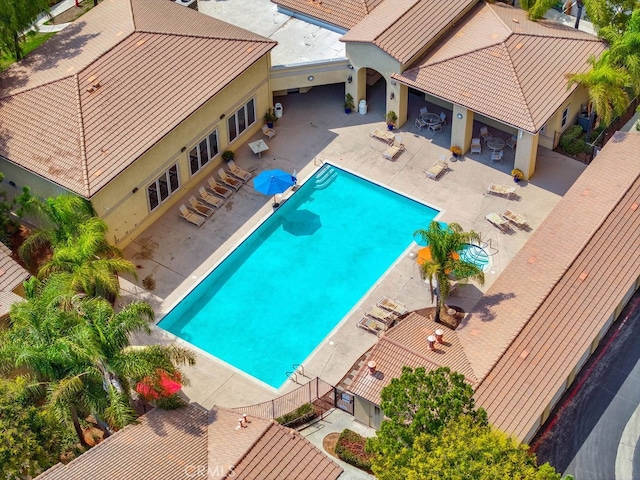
(202, 153)
(241, 120)
(163, 187)
(565, 117)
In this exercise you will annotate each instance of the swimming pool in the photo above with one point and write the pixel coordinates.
(275, 297)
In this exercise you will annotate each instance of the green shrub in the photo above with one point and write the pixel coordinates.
(351, 449)
(572, 141)
(227, 155)
(303, 413)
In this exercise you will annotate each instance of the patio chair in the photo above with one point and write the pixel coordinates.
(443, 118)
(395, 149)
(435, 127)
(393, 306)
(423, 112)
(515, 218)
(485, 134)
(371, 325)
(191, 217)
(229, 180)
(382, 315)
(512, 142)
(209, 199)
(498, 222)
(476, 146)
(268, 132)
(199, 207)
(437, 169)
(501, 190)
(384, 135)
(496, 156)
(217, 188)
(236, 171)
(420, 122)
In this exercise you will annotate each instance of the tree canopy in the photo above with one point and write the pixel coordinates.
(15, 18)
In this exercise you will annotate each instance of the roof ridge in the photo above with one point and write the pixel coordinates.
(517, 80)
(83, 146)
(28, 89)
(397, 19)
(208, 37)
(265, 429)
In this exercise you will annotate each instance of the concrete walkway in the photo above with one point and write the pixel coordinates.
(57, 9)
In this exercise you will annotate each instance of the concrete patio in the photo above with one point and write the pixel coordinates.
(315, 129)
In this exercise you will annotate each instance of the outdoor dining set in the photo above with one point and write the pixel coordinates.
(432, 121)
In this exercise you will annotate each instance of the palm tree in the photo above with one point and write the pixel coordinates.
(606, 84)
(445, 243)
(61, 219)
(92, 263)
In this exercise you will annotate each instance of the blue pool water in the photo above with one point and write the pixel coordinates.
(275, 297)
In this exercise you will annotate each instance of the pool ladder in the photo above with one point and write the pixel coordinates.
(298, 368)
(326, 175)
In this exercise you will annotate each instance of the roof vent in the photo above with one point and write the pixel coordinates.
(515, 20)
(93, 87)
(372, 367)
(431, 340)
(633, 207)
(583, 276)
(532, 259)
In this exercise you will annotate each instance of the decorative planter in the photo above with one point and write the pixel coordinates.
(347, 110)
(389, 126)
(516, 179)
(270, 124)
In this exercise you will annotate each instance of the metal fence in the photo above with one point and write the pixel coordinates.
(617, 123)
(316, 389)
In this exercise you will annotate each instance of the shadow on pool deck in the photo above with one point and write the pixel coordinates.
(314, 126)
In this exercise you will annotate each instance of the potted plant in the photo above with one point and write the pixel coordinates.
(270, 117)
(227, 155)
(348, 103)
(392, 118)
(517, 175)
(455, 151)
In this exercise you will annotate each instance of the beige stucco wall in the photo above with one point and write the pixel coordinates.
(287, 77)
(578, 98)
(23, 178)
(127, 212)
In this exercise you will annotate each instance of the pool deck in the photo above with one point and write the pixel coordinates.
(314, 128)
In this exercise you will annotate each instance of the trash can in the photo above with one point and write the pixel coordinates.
(362, 107)
(278, 110)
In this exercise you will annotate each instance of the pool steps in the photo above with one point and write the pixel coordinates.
(325, 177)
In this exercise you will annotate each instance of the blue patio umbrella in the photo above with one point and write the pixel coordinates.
(272, 182)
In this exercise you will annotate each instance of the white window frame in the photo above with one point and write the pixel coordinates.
(212, 151)
(248, 111)
(565, 117)
(171, 189)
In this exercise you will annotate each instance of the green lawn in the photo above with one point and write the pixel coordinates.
(32, 41)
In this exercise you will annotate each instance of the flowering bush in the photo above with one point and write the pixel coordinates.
(456, 150)
(161, 385)
(517, 173)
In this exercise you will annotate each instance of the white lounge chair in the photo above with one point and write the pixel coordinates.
(191, 217)
(515, 218)
(498, 222)
(229, 180)
(200, 207)
(395, 149)
(437, 169)
(391, 305)
(217, 188)
(384, 135)
(476, 146)
(382, 315)
(268, 132)
(371, 325)
(210, 199)
(501, 190)
(236, 171)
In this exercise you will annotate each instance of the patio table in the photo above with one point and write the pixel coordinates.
(495, 144)
(432, 120)
(258, 147)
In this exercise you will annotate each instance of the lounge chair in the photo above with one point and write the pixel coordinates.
(372, 325)
(217, 188)
(385, 135)
(268, 132)
(191, 217)
(485, 134)
(395, 149)
(229, 180)
(391, 305)
(502, 190)
(199, 207)
(476, 146)
(210, 199)
(437, 169)
(498, 222)
(515, 218)
(236, 171)
(382, 315)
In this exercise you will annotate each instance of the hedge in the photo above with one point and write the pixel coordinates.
(351, 449)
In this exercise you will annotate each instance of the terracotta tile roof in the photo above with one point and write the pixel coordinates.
(160, 447)
(140, 52)
(569, 294)
(405, 28)
(283, 453)
(406, 344)
(341, 13)
(11, 273)
(185, 443)
(501, 65)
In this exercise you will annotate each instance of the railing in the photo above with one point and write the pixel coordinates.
(314, 390)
